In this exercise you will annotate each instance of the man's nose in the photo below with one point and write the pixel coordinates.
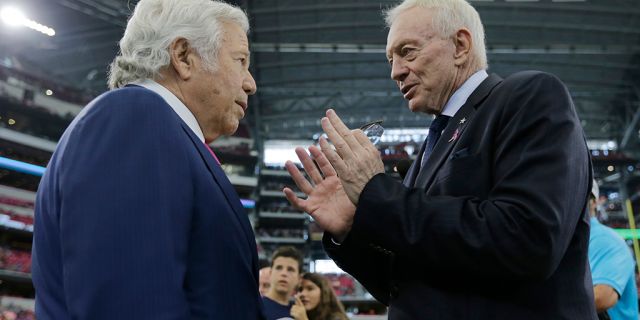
(399, 70)
(249, 85)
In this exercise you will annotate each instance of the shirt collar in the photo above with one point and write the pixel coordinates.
(183, 112)
(461, 95)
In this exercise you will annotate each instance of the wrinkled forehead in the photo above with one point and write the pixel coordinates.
(233, 33)
(411, 25)
(244, 41)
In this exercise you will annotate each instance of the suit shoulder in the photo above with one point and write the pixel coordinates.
(533, 87)
(131, 97)
(127, 102)
(531, 78)
(534, 95)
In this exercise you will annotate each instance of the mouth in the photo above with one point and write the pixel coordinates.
(243, 105)
(407, 91)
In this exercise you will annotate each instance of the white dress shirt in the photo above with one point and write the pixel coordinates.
(461, 95)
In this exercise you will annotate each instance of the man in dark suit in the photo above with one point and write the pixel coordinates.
(135, 219)
(490, 221)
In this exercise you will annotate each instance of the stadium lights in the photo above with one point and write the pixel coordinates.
(14, 17)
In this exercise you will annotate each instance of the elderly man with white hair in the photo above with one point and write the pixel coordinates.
(135, 219)
(491, 220)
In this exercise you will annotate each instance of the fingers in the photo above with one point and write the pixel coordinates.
(342, 129)
(294, 200)
(333, 157)
(362, 138)
(322, 161)
(309, 166)
(342, 148)
(298, 301)
(341, 136)
(365, 142)
(298, 178)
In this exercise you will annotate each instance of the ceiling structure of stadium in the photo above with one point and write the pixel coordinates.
(312, 54)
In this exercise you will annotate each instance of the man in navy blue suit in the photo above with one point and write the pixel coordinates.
(135, 218)
(491, 220)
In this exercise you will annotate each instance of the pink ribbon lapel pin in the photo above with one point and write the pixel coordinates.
(456, 133)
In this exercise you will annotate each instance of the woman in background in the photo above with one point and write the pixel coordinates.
(319, 299)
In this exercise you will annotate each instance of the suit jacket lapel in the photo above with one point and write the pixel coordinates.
(412, 173)
(222, 180)
(454, 130)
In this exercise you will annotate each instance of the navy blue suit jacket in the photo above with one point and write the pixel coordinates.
(495, 226)
(135, 219)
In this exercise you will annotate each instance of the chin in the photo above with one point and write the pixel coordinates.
(416, 106)
(283, 291)
(231, 128)
(423, 107)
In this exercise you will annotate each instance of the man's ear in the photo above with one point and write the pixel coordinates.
(181, 55)
(463, 43)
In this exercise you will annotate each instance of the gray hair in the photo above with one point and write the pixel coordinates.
(155, 24)
(448, 17)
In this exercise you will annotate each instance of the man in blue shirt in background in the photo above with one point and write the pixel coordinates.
(612, 265)
(286, 271)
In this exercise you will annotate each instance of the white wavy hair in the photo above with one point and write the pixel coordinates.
(449, 16)
(155, 24)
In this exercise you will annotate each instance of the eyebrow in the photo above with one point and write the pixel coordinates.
(395, 48)
(245, 54)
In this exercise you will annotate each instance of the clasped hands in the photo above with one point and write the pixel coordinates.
(334, 186)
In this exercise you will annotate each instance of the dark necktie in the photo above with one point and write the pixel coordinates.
(435, 130)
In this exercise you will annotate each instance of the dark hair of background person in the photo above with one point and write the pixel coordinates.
(263, 263)
(329, 308)
(288, 252)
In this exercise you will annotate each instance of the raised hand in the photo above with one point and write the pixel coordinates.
(298, 312)
(326, 200)
(355, 159)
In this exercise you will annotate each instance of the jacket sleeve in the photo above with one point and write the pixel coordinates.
(539, 176)
(125, 212)
(370, 266)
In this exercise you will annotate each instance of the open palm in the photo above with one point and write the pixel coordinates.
(326, 200)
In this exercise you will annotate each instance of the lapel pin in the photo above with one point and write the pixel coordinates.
(463, 120)
(455, 135)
